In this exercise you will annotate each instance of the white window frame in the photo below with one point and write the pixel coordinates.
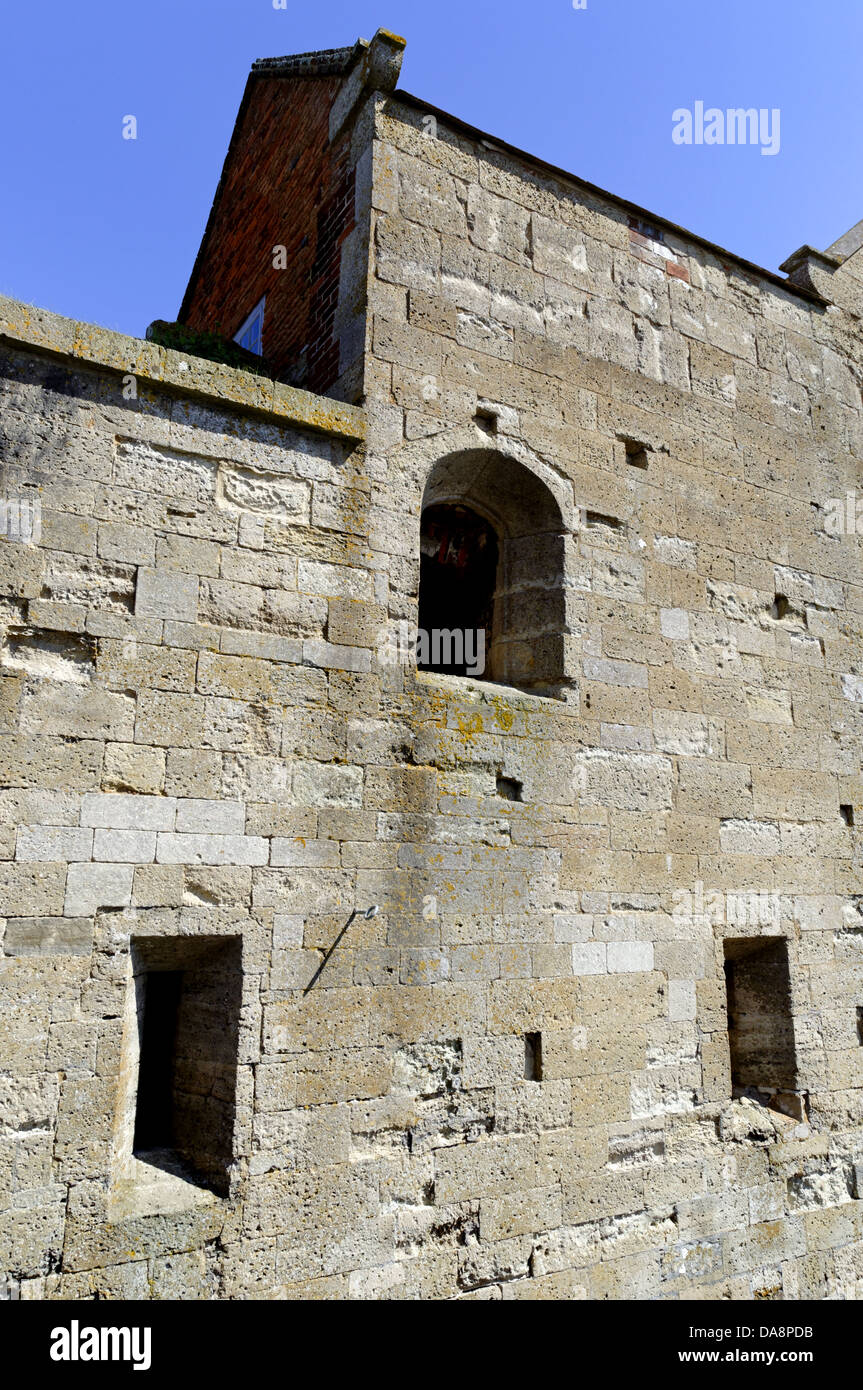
(254, 321)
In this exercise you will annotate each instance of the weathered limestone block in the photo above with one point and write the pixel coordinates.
(637, 781)
(91, 887)
(42, 936)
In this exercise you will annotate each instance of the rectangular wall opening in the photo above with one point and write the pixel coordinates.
(636, 453)
(509, 788)
(187, 1005)
(760, 1022)
(533, 1056)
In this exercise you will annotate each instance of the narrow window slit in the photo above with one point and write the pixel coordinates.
(154, 1117)
(533, 1056)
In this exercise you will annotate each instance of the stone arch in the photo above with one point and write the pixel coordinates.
(529, 510)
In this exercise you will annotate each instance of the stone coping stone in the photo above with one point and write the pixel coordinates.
(24, 325)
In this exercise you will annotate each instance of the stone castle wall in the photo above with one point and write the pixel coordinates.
(515, 1080)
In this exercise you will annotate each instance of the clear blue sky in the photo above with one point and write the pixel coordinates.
(106, 229)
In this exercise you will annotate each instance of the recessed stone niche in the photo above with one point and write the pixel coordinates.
(179, 1073)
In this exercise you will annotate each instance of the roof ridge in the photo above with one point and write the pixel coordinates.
(322, 62)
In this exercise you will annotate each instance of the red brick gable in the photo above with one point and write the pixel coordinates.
(283, 185)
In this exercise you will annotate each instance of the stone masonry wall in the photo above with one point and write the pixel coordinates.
(514, 1080)
(692, 419)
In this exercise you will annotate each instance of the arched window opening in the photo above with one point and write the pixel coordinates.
(458, 574)
(492, 582)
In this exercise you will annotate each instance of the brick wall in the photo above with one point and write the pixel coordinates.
(284, 184)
